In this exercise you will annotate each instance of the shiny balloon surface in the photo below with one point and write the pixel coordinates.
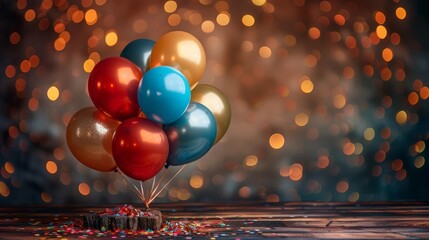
(163, 94)
(182, 51)
(138, 52)
(112, 86)
(192, 135)
(89, 138)
(140, 148)
(217, 103)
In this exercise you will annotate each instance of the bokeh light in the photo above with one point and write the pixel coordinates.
(329, 98)
(84, 189)
(248, 20)
(53, 93)
(252, 160)
(401, 13)
(196, 181)
(111, 38)
(277, 141)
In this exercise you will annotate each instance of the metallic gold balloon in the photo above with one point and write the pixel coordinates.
(182, 51)
(218, 104)
(89, 137)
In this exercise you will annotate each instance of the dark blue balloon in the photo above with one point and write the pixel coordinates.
(163, 94)
(138, 52)
(192, 135)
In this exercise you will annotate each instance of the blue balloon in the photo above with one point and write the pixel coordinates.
(192, 135)
(138, 52)
(163, 94)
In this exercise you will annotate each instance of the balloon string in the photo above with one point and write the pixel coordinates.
(142, 191)
(156, 195)
(127, 183)
(147, 194)
(133, 191)
(153, 185)
(159, 182)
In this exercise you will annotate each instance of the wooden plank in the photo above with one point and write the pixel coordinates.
(242, 220)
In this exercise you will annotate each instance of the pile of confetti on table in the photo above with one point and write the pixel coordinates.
(168, 228)
(126, 210)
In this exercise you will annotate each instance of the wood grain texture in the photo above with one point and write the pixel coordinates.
(112, 223)
(381, 220)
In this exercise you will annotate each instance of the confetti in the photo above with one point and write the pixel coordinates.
(329, 94)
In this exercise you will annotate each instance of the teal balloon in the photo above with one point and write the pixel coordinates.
(138, 52)
(163, 94)
(191, 136)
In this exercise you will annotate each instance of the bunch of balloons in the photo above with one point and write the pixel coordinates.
(150, 112)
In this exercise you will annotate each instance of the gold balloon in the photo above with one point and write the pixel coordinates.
(217, 103)
(182, 51)
(89, 137)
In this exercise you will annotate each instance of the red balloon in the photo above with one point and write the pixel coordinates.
(112, 86)
(140, 148)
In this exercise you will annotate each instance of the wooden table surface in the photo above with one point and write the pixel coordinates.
(381, 220)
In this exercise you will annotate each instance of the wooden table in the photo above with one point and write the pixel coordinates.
(384, 220)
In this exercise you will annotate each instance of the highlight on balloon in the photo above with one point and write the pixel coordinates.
(151, 113)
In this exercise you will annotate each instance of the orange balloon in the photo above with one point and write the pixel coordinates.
(89, 137)
(182, 51)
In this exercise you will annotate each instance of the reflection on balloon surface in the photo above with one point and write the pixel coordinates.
(217, 103)
(89, 137)
(182, 51)
(192, 135)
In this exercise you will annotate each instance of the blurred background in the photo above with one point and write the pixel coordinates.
(329, 98)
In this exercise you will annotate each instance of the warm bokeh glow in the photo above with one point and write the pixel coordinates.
(323, 162)
(251, 161)
(170, 6)
(197, 181)
(248, 20)
(314, 33)
(342, 186)
(381, 31)
(91, 17)
(84, 189)
(387, 54)
(259, 2)
(88, 65)
(207, 26)
(401, 117)
(380, 18)
(53, 93)
(111, 39)
(307, 86)
(343, 81)
(277, 141)
(295, 172)
(265, 52)
(51, 167)
(301, 119)
(223, 19)
(401, 13)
